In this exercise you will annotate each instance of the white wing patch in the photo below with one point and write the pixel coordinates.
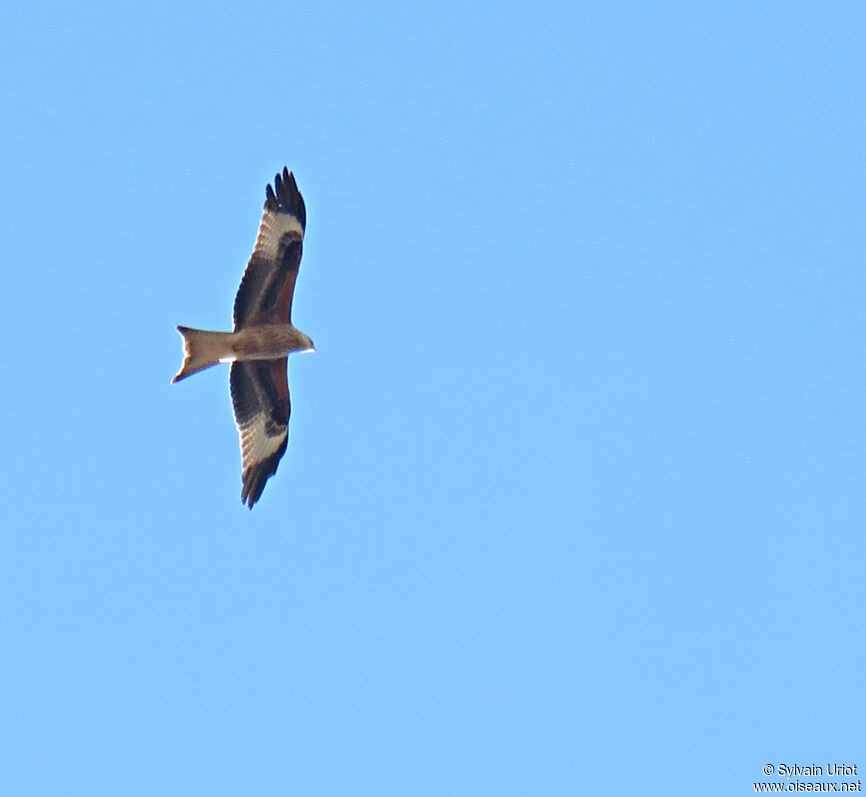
(273, 227)
(256, 445)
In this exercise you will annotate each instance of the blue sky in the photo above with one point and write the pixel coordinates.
(573, 501)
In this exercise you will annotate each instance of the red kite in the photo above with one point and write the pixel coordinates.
(262, 338)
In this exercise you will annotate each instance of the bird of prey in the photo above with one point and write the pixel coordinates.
(262, 338)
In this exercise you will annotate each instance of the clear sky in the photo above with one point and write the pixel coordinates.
(574, 495)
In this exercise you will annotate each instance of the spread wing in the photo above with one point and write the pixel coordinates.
(265, 294)
(260, 395)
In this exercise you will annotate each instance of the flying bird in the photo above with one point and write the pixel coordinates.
(261, 339)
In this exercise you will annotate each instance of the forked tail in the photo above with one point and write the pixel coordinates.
(202, 349)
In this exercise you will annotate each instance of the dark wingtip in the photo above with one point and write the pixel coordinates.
(256, 477)
(254, 486)
(285, 196)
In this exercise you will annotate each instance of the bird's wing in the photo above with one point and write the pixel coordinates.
(265, 293)
(260, 396)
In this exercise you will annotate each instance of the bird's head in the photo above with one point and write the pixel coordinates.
(307, 343)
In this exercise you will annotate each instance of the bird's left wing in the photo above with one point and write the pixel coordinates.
(260, 396)
(268, 284)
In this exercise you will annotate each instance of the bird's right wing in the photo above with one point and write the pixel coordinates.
(268, 284)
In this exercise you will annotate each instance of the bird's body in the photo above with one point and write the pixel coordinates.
(203, 348)
(262, 338)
